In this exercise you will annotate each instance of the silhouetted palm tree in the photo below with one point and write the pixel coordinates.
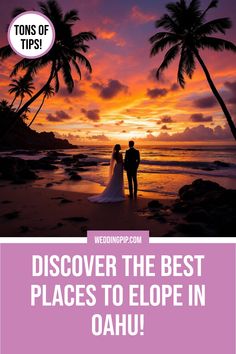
(4, 106)
(48, 92)
(66, 52)
(186, 33)
(21, 87)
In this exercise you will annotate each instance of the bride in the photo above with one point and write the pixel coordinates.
(114, 191)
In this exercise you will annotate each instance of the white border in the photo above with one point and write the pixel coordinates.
(83, 240)
(46, 240)
(194, 240)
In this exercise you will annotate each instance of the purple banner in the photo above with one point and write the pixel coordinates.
(35, 319)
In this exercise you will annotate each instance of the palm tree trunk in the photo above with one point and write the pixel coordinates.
(217, 95)
(13, 101)
(41, 105)
(19, 104)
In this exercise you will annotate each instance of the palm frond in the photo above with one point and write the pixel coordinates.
(71, 16)
(6, 52)
(214, 26)
(162, 35)
(84, 36)
(181, 70)
(189, 63)
(169, 57)
(167, 23)
(217, 44)
(83, 60)
(17, 11)
(77, 68)
(67, 76)
(44, 8)
(57, 82)
(22, 64)
(213, 4)
(160, 45)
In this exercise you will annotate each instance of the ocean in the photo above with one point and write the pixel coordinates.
(164, 169)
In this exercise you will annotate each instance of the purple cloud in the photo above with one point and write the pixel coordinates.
(199, 118)
(205, 102)
(59, 116)
(77, 92)
(99, 137)
(199, 133)
(112, 89)
(156, 92)
(231, 86)
(164, 127)
(166, 119)
(92, 114)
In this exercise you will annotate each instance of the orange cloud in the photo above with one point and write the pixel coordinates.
(140, 16)
(105, 34)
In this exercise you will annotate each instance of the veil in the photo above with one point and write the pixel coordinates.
(112, 165)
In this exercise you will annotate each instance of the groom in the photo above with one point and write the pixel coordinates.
(132, 160)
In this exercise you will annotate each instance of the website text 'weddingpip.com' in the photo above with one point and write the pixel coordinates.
(117, 239)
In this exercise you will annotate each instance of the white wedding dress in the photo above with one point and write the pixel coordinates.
(114, 191)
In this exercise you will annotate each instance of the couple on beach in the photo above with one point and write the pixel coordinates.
(114, 191)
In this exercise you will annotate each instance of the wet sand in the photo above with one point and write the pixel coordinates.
(29, 211)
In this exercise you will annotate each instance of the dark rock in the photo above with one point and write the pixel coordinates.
(221, 164)
(25, 152)
(199, 188)
(24, 229)
(65, 201)
(57, 198)
(159, 218)
(72, 171)
(75, 177)
(180, 207)
(56, 154)
(6, 202)
(48, 185)
(15, 134)
(19, 181)
(81, 169)
(43, 164)
(187, 193)
(67, 161)
(16, 170)
(204, 186)
(192, 229)
(12, 215)
(198, 215)
(154, 204)
(86, 163)
(79, 156)
(27, 174)
(76, 219)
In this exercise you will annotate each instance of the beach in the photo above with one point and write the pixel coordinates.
(183, 191)
(29, 211)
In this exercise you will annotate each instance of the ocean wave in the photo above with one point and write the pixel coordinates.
(191, 172)
(191, 164)
(199, 165)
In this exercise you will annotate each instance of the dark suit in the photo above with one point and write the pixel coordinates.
(132, 160)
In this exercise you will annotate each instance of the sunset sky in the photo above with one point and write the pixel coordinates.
(122, 99)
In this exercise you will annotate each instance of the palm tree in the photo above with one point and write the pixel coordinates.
(4, 106)
(186, 32)
(21, 87)
(66, 52)
(48, 92)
